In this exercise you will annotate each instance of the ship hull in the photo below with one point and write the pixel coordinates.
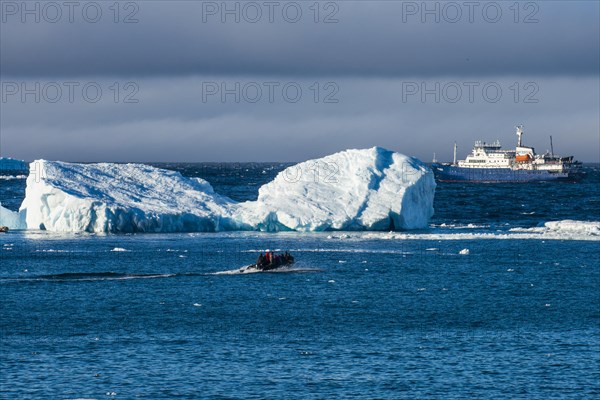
(452, 173)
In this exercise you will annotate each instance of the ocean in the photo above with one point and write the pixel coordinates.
(498, 298)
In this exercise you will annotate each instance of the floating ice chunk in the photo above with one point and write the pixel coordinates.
(568, 226)
(119, 249)
(464, 251)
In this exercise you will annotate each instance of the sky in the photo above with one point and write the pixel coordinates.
(288, 81)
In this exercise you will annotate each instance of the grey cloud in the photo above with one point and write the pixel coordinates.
(179, 126)
(369, 39)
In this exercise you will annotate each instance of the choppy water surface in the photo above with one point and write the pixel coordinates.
(361, 315)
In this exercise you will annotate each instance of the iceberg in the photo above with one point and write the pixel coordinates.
(10, 164)
(368, 189)
(11, 219)
(68, 197)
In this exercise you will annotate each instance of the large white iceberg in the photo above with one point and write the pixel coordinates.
(371, 189)
(105, 197)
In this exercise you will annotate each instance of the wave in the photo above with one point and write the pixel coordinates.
(90, 276)
(12, 177)
(329, 250)
(551, 230)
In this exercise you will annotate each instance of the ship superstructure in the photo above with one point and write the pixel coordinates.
(488, 162)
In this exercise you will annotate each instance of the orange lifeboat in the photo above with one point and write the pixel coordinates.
(523, 158)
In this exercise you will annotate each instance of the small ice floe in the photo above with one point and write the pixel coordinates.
(195, 304)
(464, 251)
(547, 305)
(111, 393)
(421, 289)
(364, 261)
(331, 281)
(510, 270)
(119, 249)
(354, 301)
(342, 261)
(432, 249)
(282, 298)
(367, 269)
(181, 256)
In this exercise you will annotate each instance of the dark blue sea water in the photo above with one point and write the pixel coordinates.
(361, 315)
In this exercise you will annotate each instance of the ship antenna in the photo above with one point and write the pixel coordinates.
(551, 147)
(454, 162)
(519, 135)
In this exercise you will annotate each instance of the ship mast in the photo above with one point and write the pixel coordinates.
(454, 162)
(551, 147)
(519, 135)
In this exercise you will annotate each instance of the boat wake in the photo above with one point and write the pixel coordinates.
(88, 276)
(248, 269)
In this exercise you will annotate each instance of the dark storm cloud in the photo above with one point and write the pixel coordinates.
(368, 39)
(171, 122)
(395, 76)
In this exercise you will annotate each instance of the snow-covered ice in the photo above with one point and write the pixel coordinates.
(106, 197)
(369, 189)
